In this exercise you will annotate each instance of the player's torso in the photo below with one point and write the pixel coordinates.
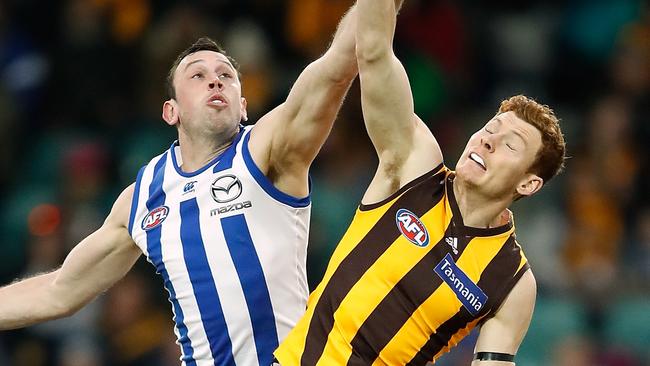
(231, 250)
(405, 281)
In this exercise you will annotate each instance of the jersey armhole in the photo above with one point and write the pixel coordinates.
(135, 199)
(505, 292)
(437, 170)
(266, 184)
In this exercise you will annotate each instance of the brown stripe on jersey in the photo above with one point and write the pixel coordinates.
(419, 200)
(396, 308)
(406, 187)
(503, 265)
(502, 288)
(503, 293)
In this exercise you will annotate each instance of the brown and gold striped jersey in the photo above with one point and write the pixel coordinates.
(406, 283)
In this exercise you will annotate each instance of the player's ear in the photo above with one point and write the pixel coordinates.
(170, 112)
(244, 112)
(530, 185)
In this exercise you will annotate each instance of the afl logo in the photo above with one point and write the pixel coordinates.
(226, 188)
(411, 227)
(155, 217)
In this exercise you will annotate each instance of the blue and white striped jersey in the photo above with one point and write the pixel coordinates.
(231, 249)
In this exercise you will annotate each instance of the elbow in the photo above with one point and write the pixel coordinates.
(63, 302)
(66, 306)
(61, 307)
(345, 75)
(336, 70)
(68, 309)
(372, 48)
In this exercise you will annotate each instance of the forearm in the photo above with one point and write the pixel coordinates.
(317, 94)
(339, 62)
(31, 301)
(91, 267)
(376, 27)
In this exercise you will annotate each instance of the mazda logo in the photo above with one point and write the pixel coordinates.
(226, 188)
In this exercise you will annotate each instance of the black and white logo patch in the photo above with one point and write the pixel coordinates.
(226, 188)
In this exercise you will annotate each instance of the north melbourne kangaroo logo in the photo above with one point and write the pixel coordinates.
(226, 188)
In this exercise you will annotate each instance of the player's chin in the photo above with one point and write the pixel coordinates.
(470, 174)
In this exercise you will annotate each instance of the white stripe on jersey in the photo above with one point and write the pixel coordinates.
(234, 264)
(221, 263)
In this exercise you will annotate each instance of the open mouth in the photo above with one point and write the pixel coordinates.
(478, 160)
(217, 100)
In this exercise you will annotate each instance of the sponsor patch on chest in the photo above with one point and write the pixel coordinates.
(469, 294)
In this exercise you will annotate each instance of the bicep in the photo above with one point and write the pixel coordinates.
(317, 94)
(405, 146)
(398, 135)
(96, 264)
(505, 331)
(311, 108)
(294, 132)
(387, 102)
(315, 98)
(101, 259)
(286, 140)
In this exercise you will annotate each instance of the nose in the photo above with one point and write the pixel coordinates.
(216, 83)
(487, 143)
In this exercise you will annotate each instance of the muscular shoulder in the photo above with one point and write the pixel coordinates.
(261, 137)
(524, 291)
(119, 215)
(505, 331)
(272, 147)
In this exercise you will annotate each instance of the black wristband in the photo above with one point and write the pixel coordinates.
(494, 356)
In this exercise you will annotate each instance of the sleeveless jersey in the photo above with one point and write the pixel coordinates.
(231, 249)
(406, 283)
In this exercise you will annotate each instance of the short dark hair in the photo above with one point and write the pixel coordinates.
(201, 44)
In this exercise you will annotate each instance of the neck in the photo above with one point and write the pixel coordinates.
(479, 210)
(197, 151)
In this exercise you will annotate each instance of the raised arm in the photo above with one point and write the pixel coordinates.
(286, 140)
(92, 266)
(405, 146)
(501, 335)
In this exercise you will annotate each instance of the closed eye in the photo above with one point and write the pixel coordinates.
(492, 127)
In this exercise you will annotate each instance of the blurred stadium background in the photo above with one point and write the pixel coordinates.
(81, 86)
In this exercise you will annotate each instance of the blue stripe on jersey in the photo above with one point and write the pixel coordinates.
(251, 276)
(134, 200)
(156, 199)
(203, 284)
(264, 182)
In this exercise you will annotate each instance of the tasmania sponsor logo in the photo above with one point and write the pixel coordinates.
(469, 294)
(155, 217)
(411, 227)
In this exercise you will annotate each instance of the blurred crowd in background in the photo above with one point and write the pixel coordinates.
(81, 89)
